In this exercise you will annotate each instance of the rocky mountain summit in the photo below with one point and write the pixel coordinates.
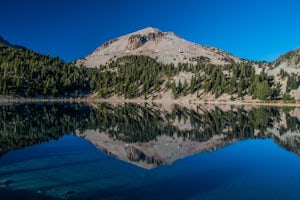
(166, 47)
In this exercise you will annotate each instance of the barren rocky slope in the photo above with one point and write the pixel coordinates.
(167, 47)
(283, 68)
(289, 62)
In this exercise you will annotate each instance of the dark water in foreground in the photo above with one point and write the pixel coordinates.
(73, 151)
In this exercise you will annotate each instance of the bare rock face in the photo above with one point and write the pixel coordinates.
(135, 41)
(155, 36)
(166, 47)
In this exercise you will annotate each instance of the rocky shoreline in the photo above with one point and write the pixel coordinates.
(11, 99)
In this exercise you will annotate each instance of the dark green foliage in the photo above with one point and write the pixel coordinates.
(141, 75)
(283, 73)
(185, 88)
(136, 76)
(26, 73)
(276, 90)
(29, 124)
(263, 90)
(293, 82)
(288, 98)
(179, 87)
(261, 87)
(134, 123)
(200, 59)
(231, 79)
(174, 89)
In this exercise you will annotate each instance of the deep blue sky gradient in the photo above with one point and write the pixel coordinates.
(71, 29)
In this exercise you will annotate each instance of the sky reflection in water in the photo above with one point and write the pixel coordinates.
(204, 164)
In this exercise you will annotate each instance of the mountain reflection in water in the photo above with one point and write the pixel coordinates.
(48, 149)
(146, 135)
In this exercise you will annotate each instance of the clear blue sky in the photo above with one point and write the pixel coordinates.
(71, 29)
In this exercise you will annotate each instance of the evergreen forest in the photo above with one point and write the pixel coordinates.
(25, 73)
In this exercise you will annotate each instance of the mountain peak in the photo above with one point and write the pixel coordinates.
(151, 30)
(148, 30)
(166, 47)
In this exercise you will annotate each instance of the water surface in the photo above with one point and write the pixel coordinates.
(75, 151)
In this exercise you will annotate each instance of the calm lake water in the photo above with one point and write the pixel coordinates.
(128, 151)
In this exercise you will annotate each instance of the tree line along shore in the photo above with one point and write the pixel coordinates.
(26, 74)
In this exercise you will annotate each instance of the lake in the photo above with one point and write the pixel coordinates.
(130, 151)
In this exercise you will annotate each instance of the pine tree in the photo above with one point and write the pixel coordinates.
(174, 89)
(263, 90)
(185, 87)
(179, 87)
(192, 85)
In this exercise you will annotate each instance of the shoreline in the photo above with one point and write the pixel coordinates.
(158, 101)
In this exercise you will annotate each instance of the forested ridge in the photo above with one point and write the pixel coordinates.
(24, 73)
